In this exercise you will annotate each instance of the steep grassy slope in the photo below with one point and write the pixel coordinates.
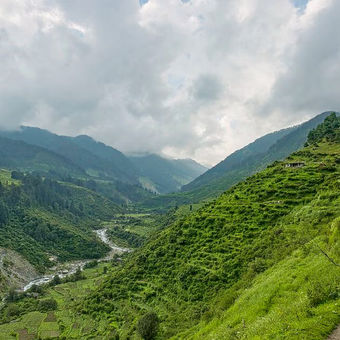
(263, 151)
(239, 165)
(166, 175)
(270, 226)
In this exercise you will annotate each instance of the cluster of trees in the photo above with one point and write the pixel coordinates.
(131, 239)
(34, 212)
(330, 130)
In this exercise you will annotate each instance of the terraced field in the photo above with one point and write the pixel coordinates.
(63, 322)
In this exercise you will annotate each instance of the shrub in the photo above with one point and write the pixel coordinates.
(12, 310)
(91, 264)
(147, 326)
(47, 305)
(319, 292)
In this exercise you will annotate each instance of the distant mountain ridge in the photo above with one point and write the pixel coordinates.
(239, 165)
(166, 175)
(87, 157)
(78, 151)
(262, 151)
(18, 154)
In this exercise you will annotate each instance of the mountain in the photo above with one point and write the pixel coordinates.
(19, 155)
(256, 263)
(257, 155)
(40, 218)
(97, 159)
(259, 262)
(115, 160)
(164, 175)
(126, 175)
(239, 165)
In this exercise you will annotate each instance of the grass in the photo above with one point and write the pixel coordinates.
(224, 248)
(6, 179)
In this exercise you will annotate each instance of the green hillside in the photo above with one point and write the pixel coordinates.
(82, 159)
(84, 152)
(40, 217)
(19, 155)
(239, 165)
(202, 268)
(260, 262)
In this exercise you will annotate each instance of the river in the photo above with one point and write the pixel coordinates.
(70, 268)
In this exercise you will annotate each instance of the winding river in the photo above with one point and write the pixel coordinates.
(70, 268)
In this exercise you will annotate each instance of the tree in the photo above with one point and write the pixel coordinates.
(4, 215)
(147, 326)
(55, 281)
(47, 305)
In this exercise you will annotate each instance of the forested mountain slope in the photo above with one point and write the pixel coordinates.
(40, 217)
(166, 175)
(271, 147)
(19, 155)
(81, 157)
(250, 264)
(95, 158)
(239, 165)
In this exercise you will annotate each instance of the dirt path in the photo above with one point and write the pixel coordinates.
(335, 335)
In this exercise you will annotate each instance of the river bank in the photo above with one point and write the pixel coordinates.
(66, 269)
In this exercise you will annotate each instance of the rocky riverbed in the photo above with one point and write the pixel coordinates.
(70, 268)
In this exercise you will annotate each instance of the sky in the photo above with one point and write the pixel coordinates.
(183, 78)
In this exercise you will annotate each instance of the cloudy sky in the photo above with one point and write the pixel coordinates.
(187, 78)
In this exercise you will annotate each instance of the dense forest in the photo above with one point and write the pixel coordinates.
(40, 216)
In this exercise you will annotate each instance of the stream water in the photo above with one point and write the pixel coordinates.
(70, 268)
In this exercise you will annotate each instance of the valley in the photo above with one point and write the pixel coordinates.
(256, 262)
(69, 268)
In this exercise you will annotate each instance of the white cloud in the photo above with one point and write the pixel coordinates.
(197, 78)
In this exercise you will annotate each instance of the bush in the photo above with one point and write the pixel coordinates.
(47, 305)
(147, 326)
(319, 292)
(12, 310)
(91, 264)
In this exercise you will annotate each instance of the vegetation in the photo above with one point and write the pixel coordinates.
(259, 262)
(41, 217)
(238, 166)
(248, 257)
(329, 130)
(147, 326)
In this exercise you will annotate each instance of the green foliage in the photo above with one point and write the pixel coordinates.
(47, 305)
(256, 263)
(40, 216)
(12, 310)
(329, 130)
(238, 166)
(221, 249)
(147, 326)
(91, 264)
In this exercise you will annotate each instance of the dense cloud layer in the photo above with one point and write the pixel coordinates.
(195, 78)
